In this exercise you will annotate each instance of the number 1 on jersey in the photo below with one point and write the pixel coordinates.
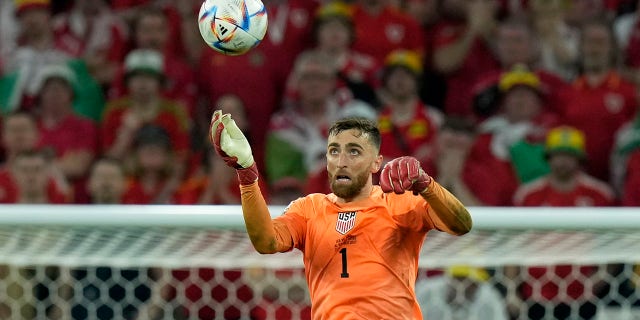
(344, 273)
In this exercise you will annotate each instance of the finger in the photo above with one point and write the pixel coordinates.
(215, 116)
(403, 173)
(232, 127)
(413, 170)
(217, 138)
(396, 177)
(215, 119)
(385, 182)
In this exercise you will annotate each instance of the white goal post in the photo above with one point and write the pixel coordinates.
(152, 233)
(81, 242)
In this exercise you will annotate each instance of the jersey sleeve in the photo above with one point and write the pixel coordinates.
(445, 211)
(410, 211)
(293, 222)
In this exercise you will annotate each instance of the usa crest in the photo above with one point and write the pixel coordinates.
(345, 222)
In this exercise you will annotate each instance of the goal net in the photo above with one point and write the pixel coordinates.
(196, 262)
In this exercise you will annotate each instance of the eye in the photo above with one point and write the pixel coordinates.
(354, 152)
(333, 151)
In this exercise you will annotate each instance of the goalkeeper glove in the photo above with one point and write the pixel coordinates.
(231, 144)
(404, 174)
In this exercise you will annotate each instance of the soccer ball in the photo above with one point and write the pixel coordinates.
(232, 27)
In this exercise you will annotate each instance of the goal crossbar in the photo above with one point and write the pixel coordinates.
(177, 236)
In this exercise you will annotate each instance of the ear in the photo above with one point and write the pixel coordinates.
(377, 163)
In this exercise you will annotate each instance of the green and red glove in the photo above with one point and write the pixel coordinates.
(231, 144)
(404, 174)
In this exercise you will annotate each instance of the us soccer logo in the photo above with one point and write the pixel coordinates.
(345, 222)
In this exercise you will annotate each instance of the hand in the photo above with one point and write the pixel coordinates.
(404, 174)
(231, 144)
(229, 141)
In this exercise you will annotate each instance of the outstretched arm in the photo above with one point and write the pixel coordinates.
(405, 174)
(231, 144)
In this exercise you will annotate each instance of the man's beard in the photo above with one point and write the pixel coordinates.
(351, 190)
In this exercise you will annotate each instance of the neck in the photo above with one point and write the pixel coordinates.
(39, 41)
(52, 116)
(595, 77)
(147, 109)
(314, 109)
(402, 110)
(563, 184)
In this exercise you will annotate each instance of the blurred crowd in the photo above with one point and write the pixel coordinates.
(505, 102)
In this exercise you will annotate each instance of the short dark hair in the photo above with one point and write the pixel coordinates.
(364, 125)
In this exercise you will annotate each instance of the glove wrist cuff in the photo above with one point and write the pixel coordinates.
(422, 187)
(248, 175)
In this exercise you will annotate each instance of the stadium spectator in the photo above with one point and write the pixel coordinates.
(27, 180)
(517, 43)
(504, 152)
(349, 272)
(91, 31)
(71, 140)
(181, 17)
(296, 140)
(462, 42)
(19, 134)
(334, 34)
(449, 158)
(407, 126)
(145, 105)
(462, 292)
(212, 182)
(153, 167)
(433, 84)
(599, 93)
(566, 185)
(107, 183)
(558, 41)
(381, 28)
(180, 82)
(36, 47)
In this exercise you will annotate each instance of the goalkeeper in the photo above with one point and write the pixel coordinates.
(362, 242)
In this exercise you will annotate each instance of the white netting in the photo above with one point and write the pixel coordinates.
(181, 262)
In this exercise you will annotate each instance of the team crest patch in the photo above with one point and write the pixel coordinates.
(345, 222)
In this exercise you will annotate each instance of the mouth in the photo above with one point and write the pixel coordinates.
(343, 178)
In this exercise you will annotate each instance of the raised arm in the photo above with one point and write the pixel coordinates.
(405, 174)
(231, 144)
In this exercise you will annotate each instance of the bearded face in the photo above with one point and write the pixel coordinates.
(348, 186)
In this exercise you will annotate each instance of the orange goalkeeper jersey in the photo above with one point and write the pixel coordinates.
(360, 258)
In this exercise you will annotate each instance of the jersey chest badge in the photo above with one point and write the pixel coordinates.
(345, 222)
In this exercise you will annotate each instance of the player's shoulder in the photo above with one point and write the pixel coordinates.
(308, 204)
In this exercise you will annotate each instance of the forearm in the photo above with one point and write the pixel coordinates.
(448, 59)
(260, 226)
(450, 214)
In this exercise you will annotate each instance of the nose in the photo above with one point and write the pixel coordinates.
(342, 160)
